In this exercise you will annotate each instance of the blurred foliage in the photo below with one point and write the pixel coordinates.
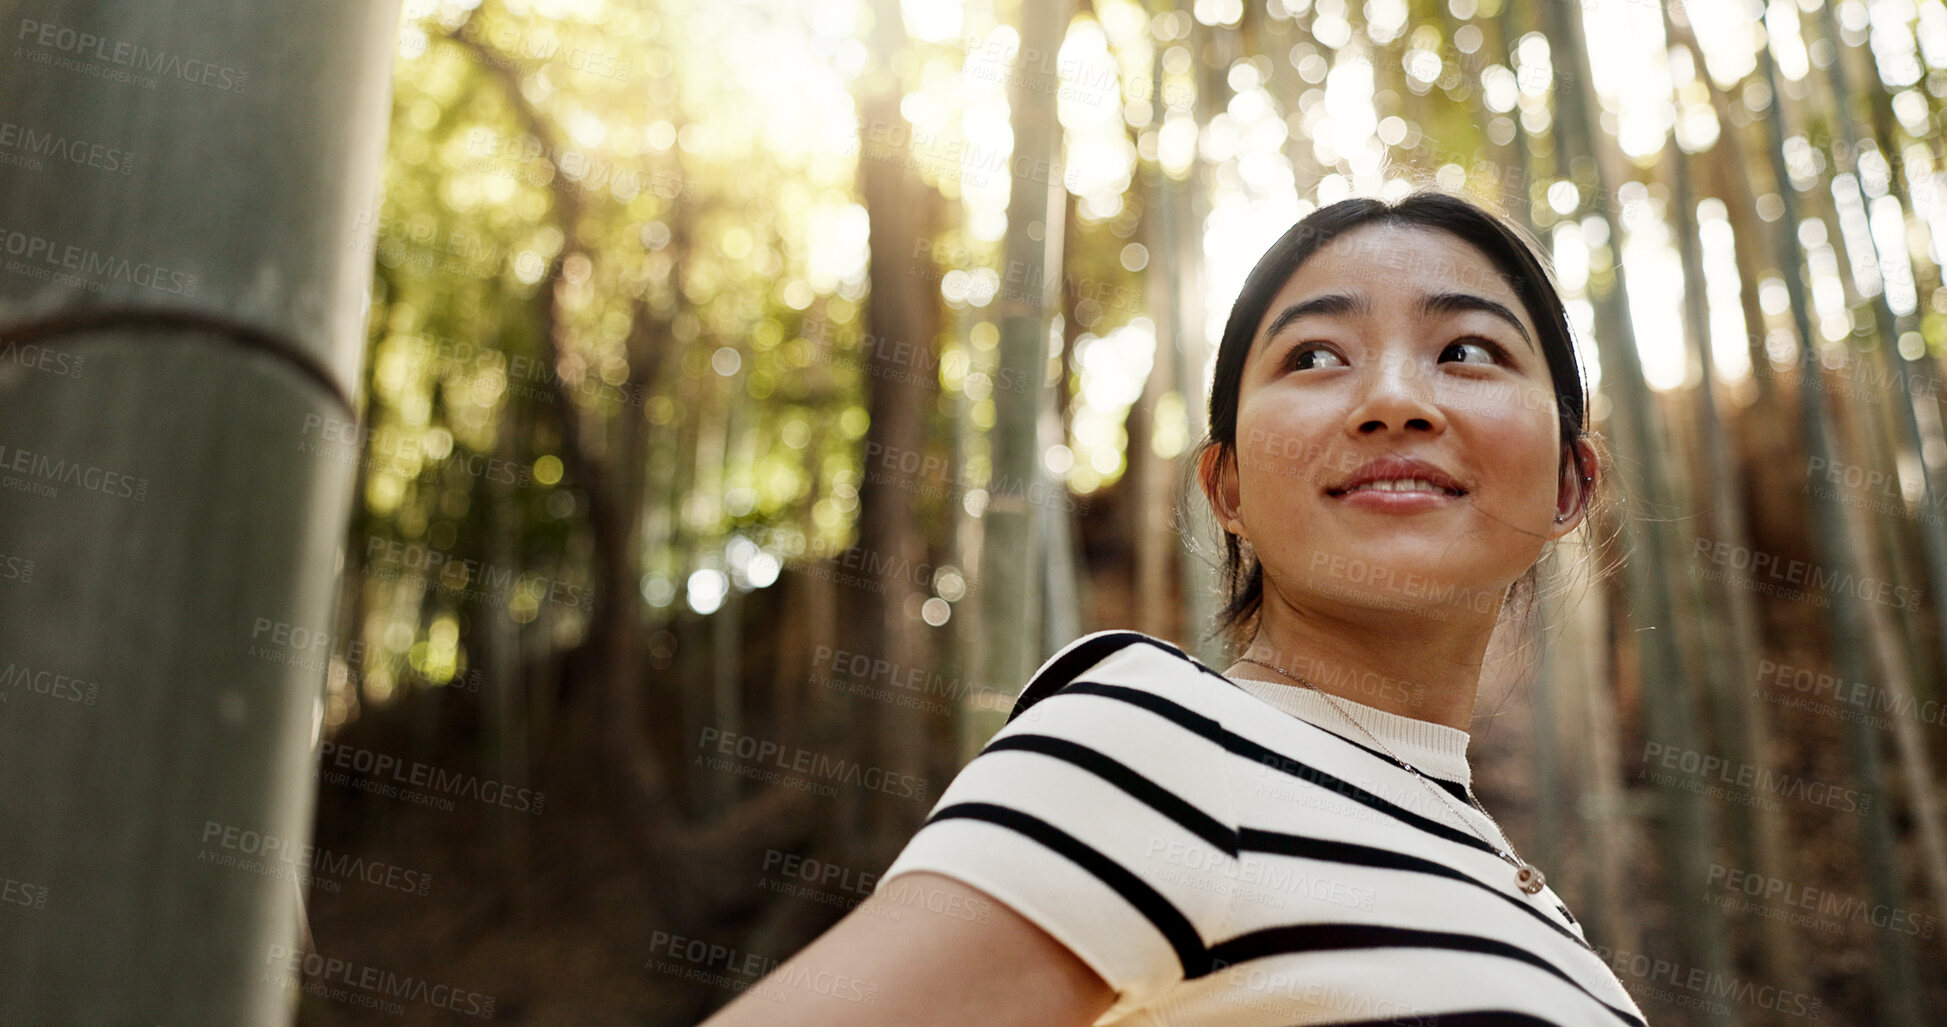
(691, 176)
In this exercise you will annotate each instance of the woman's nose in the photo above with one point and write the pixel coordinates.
(1396, 396)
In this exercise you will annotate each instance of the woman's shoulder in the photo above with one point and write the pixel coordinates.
(1120, 662)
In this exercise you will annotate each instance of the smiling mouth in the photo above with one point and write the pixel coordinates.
(1408, 485)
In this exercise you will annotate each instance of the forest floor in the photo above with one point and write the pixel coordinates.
(565, 942)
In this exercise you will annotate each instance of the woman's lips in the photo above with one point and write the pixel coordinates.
(1396, 502)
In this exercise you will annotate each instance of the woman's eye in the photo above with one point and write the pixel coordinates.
(1307, 357)
(1489, 352)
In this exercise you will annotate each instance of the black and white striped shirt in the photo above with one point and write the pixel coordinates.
(1220, 856)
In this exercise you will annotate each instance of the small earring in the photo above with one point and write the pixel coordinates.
(1559, 518)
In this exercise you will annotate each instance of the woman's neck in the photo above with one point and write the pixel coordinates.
(1427, 668)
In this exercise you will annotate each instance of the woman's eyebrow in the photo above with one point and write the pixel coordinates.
(1450, 302)
(1326, 305)
(1431, 303)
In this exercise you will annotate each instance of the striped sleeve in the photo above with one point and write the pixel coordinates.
(1103, 815)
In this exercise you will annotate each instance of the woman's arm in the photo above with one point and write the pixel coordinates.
(926, 949)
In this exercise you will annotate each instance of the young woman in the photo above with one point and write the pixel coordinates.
(1397, 432)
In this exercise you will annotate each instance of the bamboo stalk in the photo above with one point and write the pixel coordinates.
(219, 374)
(1832, 532)
(1687, 832)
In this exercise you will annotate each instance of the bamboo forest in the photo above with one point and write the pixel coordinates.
(518, 510)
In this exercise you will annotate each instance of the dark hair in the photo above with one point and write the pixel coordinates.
(1511, 251)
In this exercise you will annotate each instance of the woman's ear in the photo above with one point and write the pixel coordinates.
(1576, 489)
(1217, 474)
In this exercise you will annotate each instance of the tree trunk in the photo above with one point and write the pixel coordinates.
(503, 692)
(1012, 549)
(1894, 661)
(1728, 166)
(175, 506)
(1686, 828)
(1064, 584)
(1725, 611)
(1149, 481)
(1186, 204)
(1851, 632)
(902, 385)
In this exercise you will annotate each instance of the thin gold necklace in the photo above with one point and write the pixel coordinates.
(1526, 876)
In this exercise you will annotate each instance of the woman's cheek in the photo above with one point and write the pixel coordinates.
(1535, 480)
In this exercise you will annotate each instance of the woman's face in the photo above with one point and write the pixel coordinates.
(1397, 343)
